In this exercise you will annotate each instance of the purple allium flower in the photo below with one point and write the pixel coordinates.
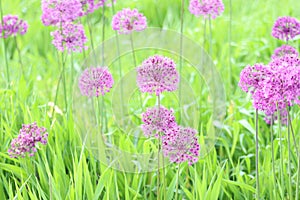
(181, 144)
(72, 38)
(95, 81)
(91, 5)
(29, 136)
(127, 20)
(206, 8)
(283, 51)
(157, 74)
(273, 86)
(56, 12)
(12, 25)
(286, 28)
(156, 121)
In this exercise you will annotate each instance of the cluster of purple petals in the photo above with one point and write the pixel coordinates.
(95, 81)
(157, 74)
(274, 86)
(91, 5)
(283, 51)
(206, 8)
(181, 144)
(56, 12)
(286, 28)
(12, 25)
(157, 120)
(70, 37)
(126, 21)
(29, 136)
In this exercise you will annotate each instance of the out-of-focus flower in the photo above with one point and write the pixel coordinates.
(283, 51)
(180, 144)
(70, 37)
(286, 28)
(12, 26)
(206, 8)
(95, 81)
(127, 20)
(56, 12)
(91, 5)
(157, 74)
(157, 121)
(29, 136)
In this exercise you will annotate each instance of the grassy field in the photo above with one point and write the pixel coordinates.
(67, 169)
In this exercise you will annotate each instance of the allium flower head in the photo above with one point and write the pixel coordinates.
(181, 144)
(95, 81)
(273, 86)
(283, 51)
(71, 37)
(91, 5)
(157, 74)
(27, 140)
(156, 121)
(286, 28)
(56, 12)
(127, 20)
(206, 8)
(12, 25)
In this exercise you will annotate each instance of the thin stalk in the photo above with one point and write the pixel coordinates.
(293, 134)
(64, 82)
(5, 48)
(229, 38)
(180, 56)
(289, 157)
(135, 65)
(19, 55)
(281, 149)
(273, 159)
(298, 177)
(158, 164)
(256, 151)
(120, 64)
(56, 95)
(210, 36)
(91, 37)
(177, 181)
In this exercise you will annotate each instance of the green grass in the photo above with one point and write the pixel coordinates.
(65, 169)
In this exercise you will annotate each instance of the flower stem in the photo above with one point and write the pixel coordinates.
(158, 154)
(210, 36)
(229, 49)
(257, 154)
(281, 150)
(64, 82)
(91, 37)
(289, 156)
(120, 64)
(177, 181)
(273, 159)
(5, 48)
(180, 56)
(19, 55)
(135, 65)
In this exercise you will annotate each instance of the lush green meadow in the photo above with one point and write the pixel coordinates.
(66, 169)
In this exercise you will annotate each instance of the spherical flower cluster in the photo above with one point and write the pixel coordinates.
(181, 144)
(12, 25)
(56, 12)
(273, 86)
(157, 74)
(95, 81)
(283, 51)
(206, 8)
(91, 5)
(286, 28)
(157, 120)
(126, 21)
(27, 139)
(71, 37)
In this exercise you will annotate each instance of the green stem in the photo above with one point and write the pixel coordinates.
(91, 37)
(273, 159)
(158, 153)
(229, 38)
(19, 55)
(135, 65)
(289, 157)
(257, 154)
(177, 181)
(210, 36)
(120, 65)
(64, 82)
(281, 149)
(4, 47)
(180, 56)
